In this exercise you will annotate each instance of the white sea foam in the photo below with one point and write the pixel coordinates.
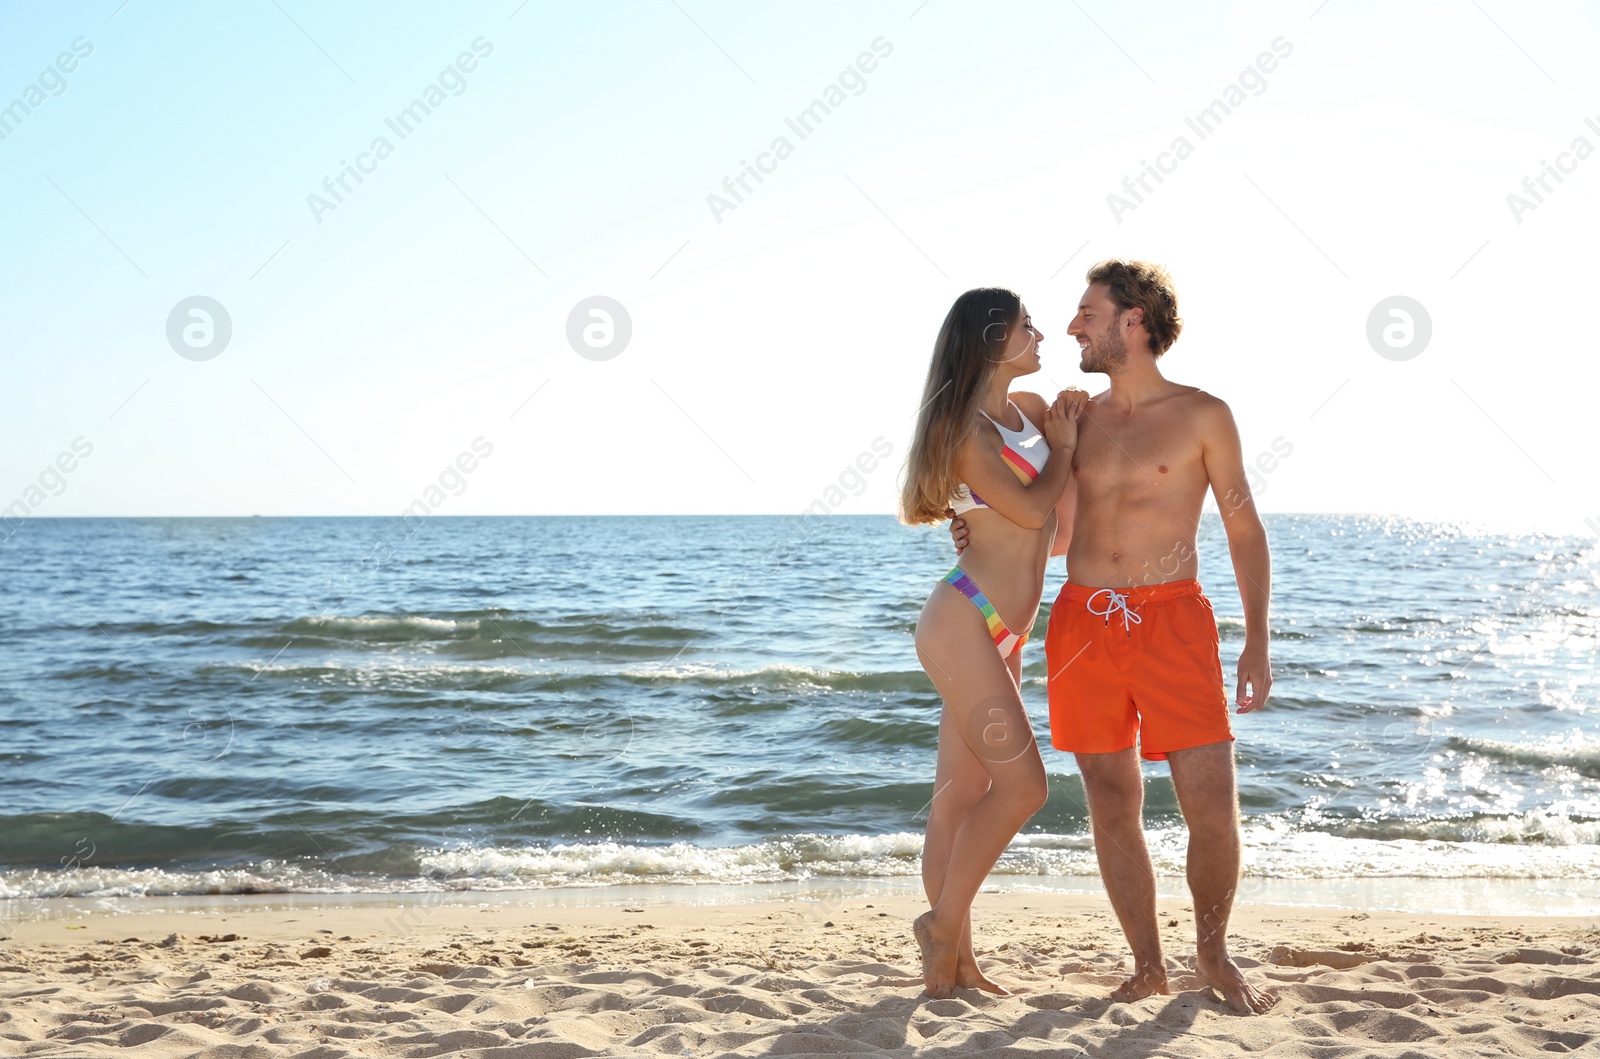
(24, 885)
(404, 627)
(380, 674)
(603, 863)
(701, 671)
(1271, 851)
(1580, 755)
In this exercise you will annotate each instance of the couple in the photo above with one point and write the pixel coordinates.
(1116, 483)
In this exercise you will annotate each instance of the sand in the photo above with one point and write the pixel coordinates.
(792, 978)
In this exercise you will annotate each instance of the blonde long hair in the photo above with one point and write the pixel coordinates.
(971, 342)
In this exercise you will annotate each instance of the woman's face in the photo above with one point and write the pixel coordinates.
(1022, 345)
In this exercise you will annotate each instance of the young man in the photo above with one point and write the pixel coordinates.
(1132, 645)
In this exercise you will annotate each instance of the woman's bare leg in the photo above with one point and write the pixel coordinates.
(989, 778)
(960, 780)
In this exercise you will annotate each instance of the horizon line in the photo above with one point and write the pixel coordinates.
(680, 514)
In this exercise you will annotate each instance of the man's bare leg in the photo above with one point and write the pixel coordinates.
(1115, 787)
(1203, 777)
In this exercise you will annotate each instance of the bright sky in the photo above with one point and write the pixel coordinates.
(167, 151)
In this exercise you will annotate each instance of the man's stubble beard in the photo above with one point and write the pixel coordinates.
(1109, 356)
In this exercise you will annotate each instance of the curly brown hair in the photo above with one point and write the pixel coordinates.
(1147, 286)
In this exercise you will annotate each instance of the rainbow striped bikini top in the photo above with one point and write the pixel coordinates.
(1025, 452)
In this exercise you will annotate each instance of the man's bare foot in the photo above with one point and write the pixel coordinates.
(1146, 981)
(969, 977)
(1224, 976)
(938, 957)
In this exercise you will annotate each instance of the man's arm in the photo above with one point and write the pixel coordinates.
(1247, 545)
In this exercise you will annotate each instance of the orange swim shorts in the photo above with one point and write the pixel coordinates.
(1138, 663)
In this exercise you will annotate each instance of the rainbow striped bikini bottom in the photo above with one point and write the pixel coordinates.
(1004, 639)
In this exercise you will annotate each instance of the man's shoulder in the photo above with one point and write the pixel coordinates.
(1204, 415)
(1198, 402)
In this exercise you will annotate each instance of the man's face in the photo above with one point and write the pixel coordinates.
(1099, 327)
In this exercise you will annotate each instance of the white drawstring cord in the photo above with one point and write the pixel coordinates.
(1118, 601)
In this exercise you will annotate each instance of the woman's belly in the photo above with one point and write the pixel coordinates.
(1007, 563)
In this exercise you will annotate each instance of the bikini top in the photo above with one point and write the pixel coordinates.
(1025, 452)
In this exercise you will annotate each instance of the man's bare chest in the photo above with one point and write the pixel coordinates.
(1110, 453)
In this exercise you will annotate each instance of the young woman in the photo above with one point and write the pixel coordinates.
(979, 450)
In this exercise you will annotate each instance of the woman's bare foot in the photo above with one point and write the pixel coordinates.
(1224, 976)
(938, 957)
(1145, 981)
(968, 976)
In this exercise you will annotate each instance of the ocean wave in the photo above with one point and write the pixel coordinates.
(610, 863)
(887, 730)
(620, 638)
(1234, 629)
(486, 625)
(268, 877)
(1536, 827)
(1581, 757)
(784, 676)
(111, 673)
(467, 677)
(380, 629)
(1274, 851)
(164, 628)
(392, 676)
(1271, 851)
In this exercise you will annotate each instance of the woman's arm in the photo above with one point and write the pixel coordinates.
(1028, 505)
(1034, 407)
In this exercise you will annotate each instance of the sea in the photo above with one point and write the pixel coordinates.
(347, 706)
